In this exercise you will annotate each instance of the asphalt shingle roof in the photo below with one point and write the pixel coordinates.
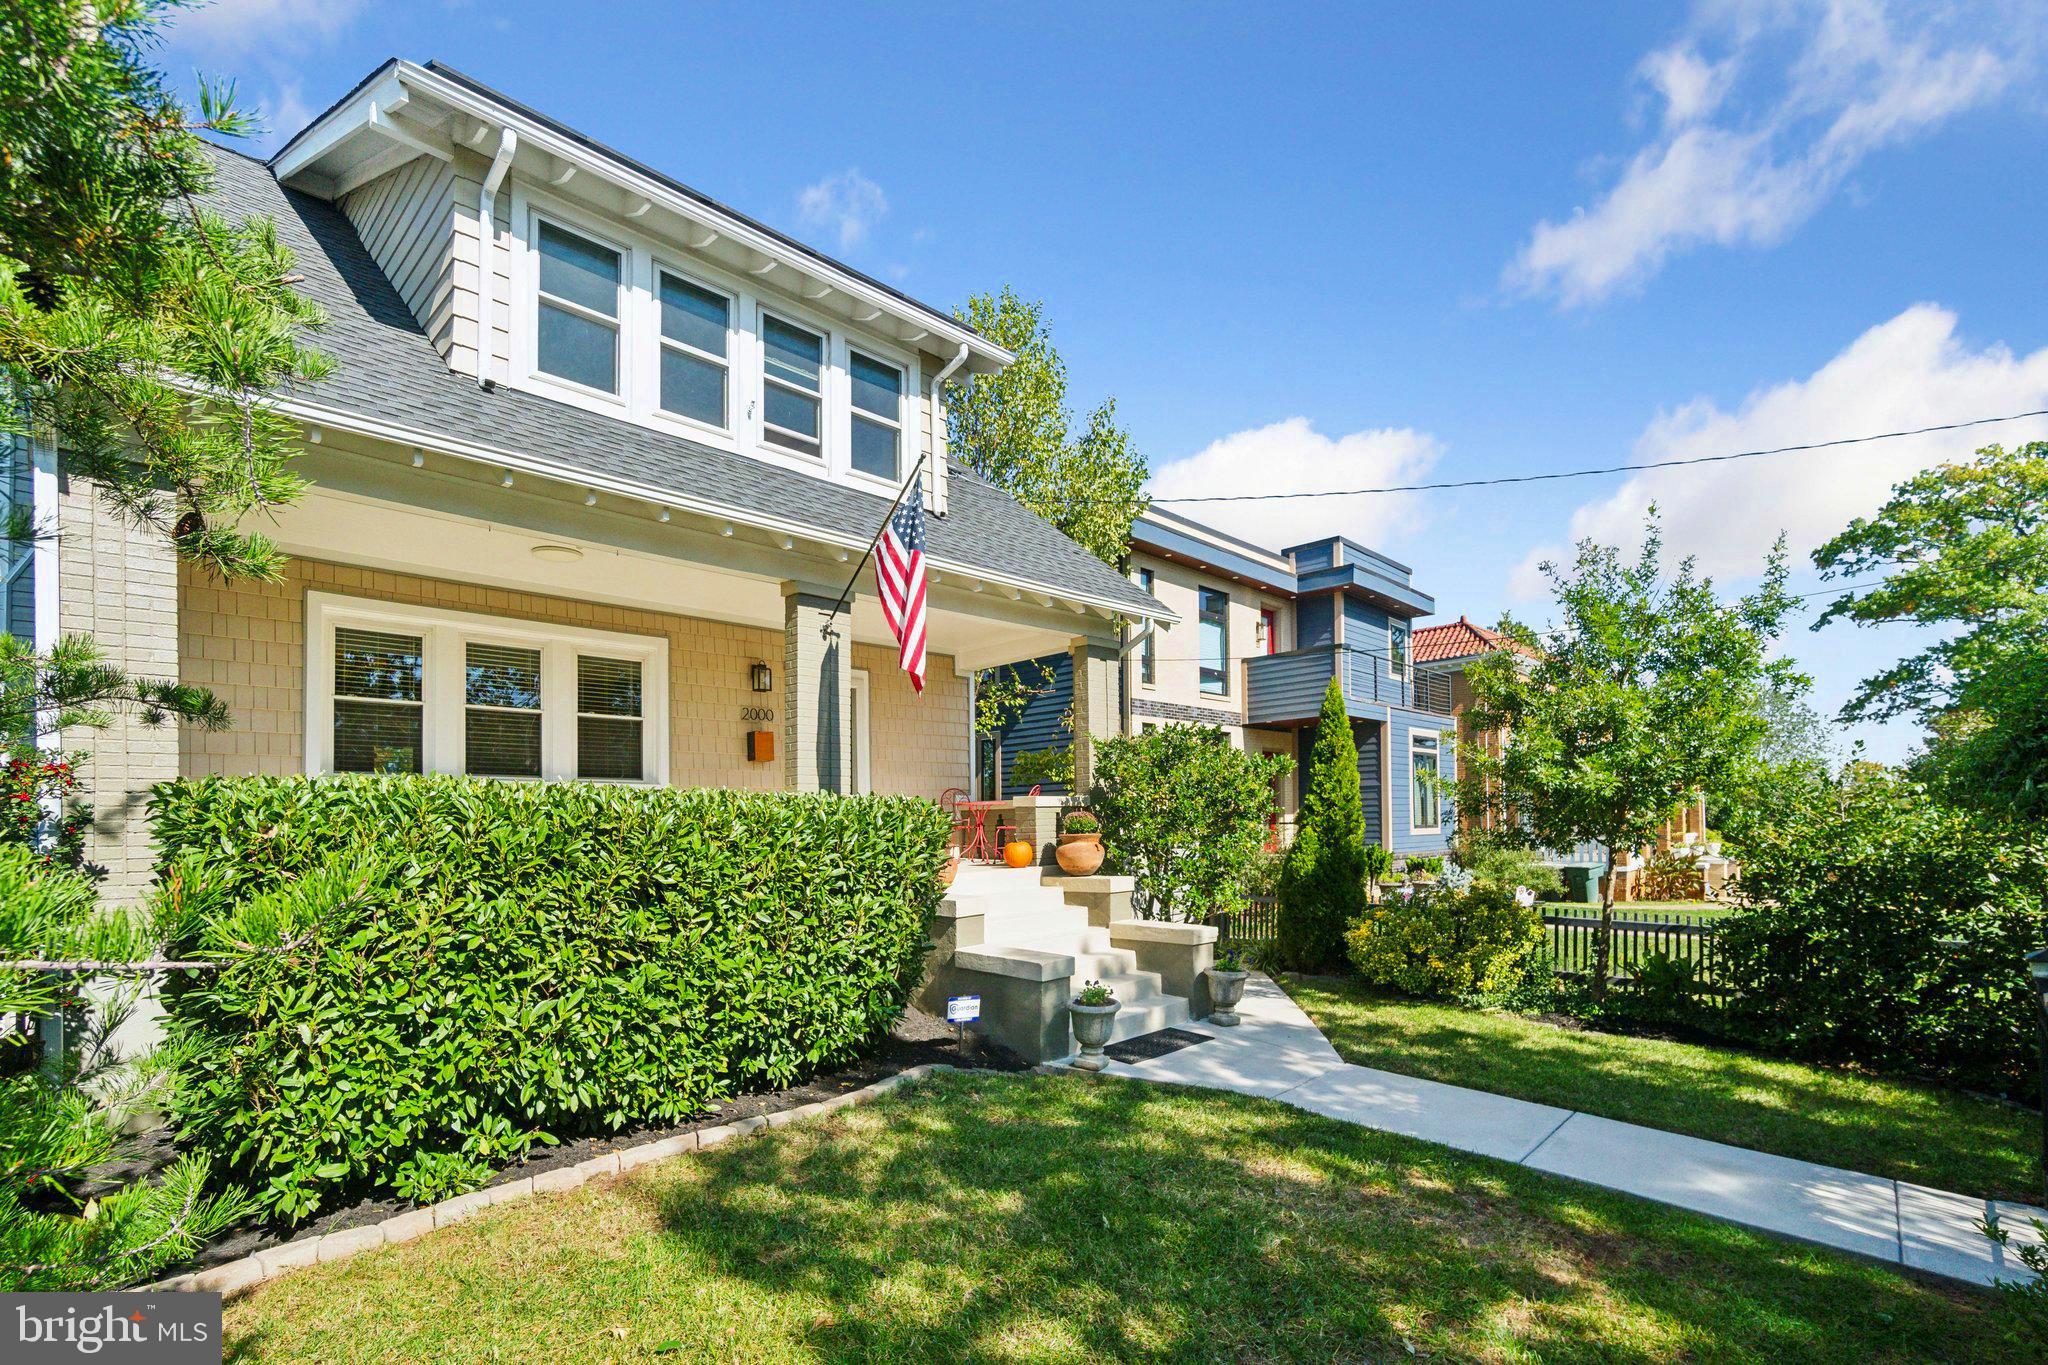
(387, 369)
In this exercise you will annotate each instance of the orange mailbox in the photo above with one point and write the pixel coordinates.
(760, 746)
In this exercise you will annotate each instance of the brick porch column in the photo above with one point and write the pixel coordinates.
(817, 690)
(1096, 709)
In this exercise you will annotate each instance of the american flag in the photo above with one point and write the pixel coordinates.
(899, 573)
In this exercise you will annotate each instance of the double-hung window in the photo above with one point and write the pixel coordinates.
(877, 416)
(1425, 797)
(792, 387)
(1214, 641)
(397, 689)
(577, 337)
(696, 327)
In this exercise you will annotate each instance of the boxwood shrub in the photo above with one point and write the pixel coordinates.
(423, 976)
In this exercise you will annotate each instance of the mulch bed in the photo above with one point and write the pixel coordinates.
(916, 1040)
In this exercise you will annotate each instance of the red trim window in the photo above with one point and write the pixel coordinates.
(1269, 629)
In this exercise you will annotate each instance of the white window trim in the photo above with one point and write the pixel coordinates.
(443, 634)
(1418, 741)
(824, 458)
(620, 322)
(639, 396)
(900, 422)
(729, 361)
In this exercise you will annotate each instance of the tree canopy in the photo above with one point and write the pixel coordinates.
(1649, 689)
(1016, 430)
(1962, 546)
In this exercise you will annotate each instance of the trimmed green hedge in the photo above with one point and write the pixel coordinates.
(426, 976)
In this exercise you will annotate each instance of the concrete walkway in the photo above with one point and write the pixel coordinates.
(1278, 1053)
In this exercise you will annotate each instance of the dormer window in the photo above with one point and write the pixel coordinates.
(877, 416)
(792, 392)
(696, 324)
(578, 333)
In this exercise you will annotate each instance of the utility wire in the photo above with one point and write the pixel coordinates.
(1609, 469)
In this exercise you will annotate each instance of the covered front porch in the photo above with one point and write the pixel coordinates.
(446, 615)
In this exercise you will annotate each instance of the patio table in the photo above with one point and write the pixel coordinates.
(978, 845)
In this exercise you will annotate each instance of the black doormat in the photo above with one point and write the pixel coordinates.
(1150, 1045)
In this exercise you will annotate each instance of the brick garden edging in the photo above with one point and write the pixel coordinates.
(236, 1278)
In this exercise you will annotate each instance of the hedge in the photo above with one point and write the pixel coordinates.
(425, 976)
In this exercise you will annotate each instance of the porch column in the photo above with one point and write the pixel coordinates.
(817, 690)
(1096, 704)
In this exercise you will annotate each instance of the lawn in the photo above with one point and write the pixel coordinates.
(1048, 1218)
(1841, 1118)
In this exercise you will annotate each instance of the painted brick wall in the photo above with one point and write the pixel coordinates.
(247, 642)
(120, 586)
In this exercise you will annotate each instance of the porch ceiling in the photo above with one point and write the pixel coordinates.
(453, 525)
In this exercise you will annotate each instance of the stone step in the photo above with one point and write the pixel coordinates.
(1049, 925)
(1021, 900)
(1128, 985)
(1089, 964)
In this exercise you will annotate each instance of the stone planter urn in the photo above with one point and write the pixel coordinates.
(1079, 854)
(1092, 1024)
(1225, 990)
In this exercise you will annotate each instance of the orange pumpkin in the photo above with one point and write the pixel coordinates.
(1017, 853)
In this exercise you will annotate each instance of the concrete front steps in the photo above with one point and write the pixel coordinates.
(1024, 939)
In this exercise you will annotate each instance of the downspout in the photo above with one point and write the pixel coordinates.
(487, 249)
(939, 465)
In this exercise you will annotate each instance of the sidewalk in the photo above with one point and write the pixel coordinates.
(1278, 1053)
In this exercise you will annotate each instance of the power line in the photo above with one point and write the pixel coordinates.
(1609, 469)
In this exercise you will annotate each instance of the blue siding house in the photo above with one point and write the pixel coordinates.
(1349, 614)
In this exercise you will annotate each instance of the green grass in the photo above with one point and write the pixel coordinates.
(1043, 1218)
(1840, 1118)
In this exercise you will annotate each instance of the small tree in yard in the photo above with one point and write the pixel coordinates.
(1648, 692)
(1323, 880)
(1184, 812)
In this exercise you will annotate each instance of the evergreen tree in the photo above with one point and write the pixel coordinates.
(1322, 880)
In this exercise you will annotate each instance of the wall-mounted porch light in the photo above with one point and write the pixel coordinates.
(763, 678)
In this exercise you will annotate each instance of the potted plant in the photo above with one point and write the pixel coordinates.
(1080, 850)
(1226, 986)
(1094, 1009)
(950, 869)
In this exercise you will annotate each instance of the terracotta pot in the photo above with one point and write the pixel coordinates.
(1079, 854)
(1017, 853)
(949, 869)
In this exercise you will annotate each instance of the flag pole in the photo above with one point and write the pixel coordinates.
(916, 471)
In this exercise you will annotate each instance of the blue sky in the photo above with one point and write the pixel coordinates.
(1324, 246)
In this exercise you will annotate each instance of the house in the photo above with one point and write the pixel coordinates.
(597, 460)
(1446, 652)
(1261, 632)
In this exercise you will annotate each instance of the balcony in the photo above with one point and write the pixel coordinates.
(1287, 689)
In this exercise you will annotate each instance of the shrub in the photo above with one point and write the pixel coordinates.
(426, 976)
(1444, 940)
(1503, 868)
(1186, 811)
(1322, 881)
(1080, 822)
(1884, 927)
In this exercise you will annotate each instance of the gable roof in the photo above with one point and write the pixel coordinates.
(388, 373)
(1461, 639)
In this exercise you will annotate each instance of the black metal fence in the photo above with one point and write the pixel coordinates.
(1574, 941)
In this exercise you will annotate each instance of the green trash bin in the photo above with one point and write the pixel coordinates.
(1582, 885)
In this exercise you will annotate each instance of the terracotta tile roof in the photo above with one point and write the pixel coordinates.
(1460, 639)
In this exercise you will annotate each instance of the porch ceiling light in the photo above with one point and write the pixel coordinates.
(590, 499)
(557, 554)
(762, 677)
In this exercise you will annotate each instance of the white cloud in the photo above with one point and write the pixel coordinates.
(848, 204)
(234, 27)
(1911, 371)
(284, 113)
(1864, 75)
(1292, 456)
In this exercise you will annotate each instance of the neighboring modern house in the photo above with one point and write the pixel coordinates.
(598, 456)
(1446, 652)
(1260, 634)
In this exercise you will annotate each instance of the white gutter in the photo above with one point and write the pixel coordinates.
(938, 461)
(487, 249)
